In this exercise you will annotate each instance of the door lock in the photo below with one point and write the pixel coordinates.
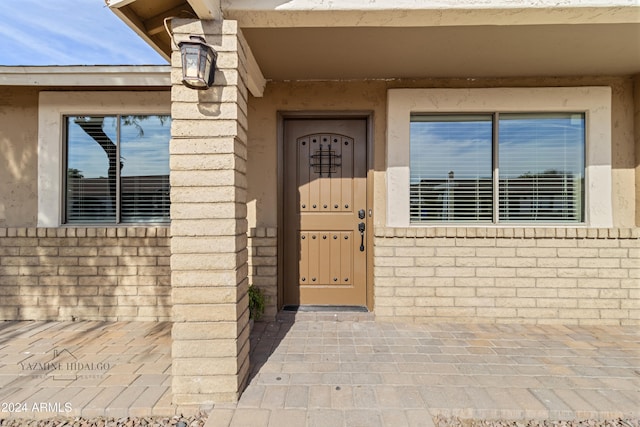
(361, 228)
(361, 214)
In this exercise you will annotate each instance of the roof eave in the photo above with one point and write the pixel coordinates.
(100, 75)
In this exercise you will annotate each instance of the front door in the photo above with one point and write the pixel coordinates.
(325, 212)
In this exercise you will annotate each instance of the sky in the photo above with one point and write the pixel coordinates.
(68, 32)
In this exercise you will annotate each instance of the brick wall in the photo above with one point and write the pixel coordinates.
(84, 274)
(209, 270)
(524, 275)
(263, 266)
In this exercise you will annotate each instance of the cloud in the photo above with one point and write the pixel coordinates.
(73, 32)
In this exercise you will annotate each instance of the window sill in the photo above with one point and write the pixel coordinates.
(524, 232)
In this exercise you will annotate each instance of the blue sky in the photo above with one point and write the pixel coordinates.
(68, 32)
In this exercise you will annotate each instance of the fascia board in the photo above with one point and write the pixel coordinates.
(157, 76)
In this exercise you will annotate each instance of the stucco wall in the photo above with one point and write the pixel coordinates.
(636, 121)
(371, 96)
(18, 158)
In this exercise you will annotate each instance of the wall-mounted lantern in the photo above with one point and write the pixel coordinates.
(198, 63)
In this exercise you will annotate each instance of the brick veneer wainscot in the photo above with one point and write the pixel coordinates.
(508, 275)
(70, 273)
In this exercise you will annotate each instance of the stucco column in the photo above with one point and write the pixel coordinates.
(210, 334)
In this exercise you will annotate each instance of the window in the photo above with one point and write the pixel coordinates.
(502, 167)
(117, 169)
(56, 126)
(499, 157)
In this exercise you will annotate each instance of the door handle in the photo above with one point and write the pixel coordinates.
(361, 228)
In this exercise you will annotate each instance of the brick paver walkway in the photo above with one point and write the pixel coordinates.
(85, 369)
(331, 370)
(342, 370)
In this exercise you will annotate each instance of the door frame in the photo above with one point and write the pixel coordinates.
(282, 116)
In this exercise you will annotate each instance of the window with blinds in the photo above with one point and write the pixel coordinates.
(492, 168)
(117, 169)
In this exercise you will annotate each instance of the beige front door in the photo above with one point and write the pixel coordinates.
(325, 216)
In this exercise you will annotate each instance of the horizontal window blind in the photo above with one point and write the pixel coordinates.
(144, 178)
(540, 168)
(451, 165)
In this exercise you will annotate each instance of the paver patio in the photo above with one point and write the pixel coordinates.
(331, 369)
(85, 369)
(334, 369)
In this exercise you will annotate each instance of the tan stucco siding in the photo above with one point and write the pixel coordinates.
(623, 154)
(636, 122)
(371, 96)
(18, 158)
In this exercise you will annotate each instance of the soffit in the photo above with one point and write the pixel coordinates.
(462, 51)
(337, 40)
(146, 18)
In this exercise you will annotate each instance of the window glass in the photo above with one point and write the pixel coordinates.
(117, 169)
(541, 167)
(91, 169)
(451, 168)
(144, 177)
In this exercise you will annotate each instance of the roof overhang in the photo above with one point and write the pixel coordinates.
(99, 76)
(149, 20)
(354, 39)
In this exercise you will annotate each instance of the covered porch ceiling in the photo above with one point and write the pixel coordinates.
(461, 52)
(311, 40)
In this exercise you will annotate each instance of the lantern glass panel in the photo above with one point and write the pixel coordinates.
(190, 66)
(198, 63)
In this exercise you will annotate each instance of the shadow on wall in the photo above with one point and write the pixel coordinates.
(85, 274)
(18, 162)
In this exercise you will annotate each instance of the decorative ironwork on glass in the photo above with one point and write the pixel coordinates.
(325, 161)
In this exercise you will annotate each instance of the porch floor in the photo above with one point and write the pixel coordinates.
(331, 369)
(87, 369)
(341, 369)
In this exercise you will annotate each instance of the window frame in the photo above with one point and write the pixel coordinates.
(53, 108)
(594, 102)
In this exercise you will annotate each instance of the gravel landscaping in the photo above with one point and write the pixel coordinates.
(193, 421)
(440, 421)
(200, 419)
